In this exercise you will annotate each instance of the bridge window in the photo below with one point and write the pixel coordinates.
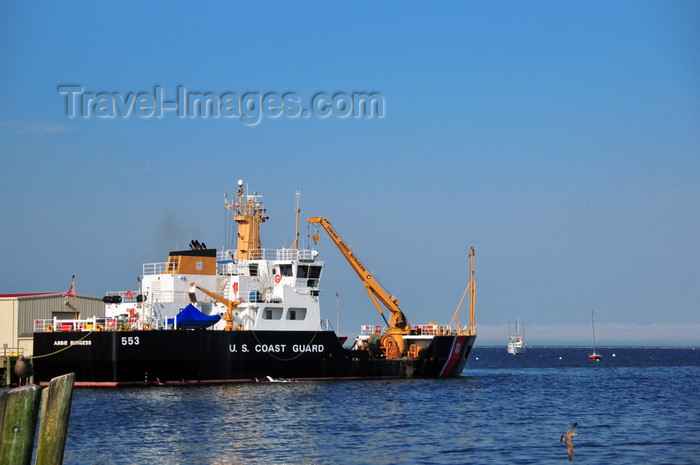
(314, 272)
(272, 313)
(296, 313)
(286, 270)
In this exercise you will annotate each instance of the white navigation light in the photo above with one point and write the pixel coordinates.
(240, 182)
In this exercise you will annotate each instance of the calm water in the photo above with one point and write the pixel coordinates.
(640, 407)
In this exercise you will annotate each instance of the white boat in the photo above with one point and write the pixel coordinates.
(516, 342)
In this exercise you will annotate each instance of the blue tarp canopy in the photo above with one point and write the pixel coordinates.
(191, 317)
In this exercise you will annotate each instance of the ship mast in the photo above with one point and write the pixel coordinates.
(472, 293)
(248, 213)
(471, 289)
(295, 244)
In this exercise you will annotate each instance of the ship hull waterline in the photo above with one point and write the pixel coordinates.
(166, 357)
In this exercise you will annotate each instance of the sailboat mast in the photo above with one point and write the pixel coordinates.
(595, 356)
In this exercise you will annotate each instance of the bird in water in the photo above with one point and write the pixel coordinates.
(23, 369)
(566, 438)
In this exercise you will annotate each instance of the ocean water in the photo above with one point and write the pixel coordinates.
(640, 406)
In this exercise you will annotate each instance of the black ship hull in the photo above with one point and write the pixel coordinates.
(115, 358)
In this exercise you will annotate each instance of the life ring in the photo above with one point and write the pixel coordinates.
(377, 329)
(111, 323)
(49, 329)
(130, 295)
(99, 328)
(146, 327)
(278, 278)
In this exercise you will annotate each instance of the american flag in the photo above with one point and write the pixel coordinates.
(71, 291)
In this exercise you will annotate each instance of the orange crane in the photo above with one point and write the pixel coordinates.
(231, 305)
(392, 342)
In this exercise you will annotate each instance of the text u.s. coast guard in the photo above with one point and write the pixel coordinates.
(276, 348)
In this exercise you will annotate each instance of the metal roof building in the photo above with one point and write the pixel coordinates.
(18, 312)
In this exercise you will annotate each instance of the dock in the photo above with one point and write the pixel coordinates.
(8, 358)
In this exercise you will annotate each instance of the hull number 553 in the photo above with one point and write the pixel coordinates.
(130, 341)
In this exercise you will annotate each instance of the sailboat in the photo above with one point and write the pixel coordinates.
(516, 343)
(594, 356)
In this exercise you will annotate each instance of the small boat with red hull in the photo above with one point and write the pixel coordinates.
(594, 356)
(243, 314)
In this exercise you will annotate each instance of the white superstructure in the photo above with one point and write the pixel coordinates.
(273, 289)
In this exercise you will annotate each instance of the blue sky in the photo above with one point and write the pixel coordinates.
(560, 140)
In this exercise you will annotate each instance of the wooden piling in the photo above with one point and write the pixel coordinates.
(53, 426)
(8, 371)
(18, 416)
(19, 409)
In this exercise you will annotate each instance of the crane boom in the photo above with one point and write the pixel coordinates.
(230, 304)
(398, 323)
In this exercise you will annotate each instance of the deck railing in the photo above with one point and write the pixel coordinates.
(227, 263)
(270, 254)
(428, 330)
(90, 324)
(156, 268)
(11, 351)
